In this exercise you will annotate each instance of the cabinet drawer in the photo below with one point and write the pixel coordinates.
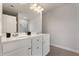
(18, 52)
(37, 40)
(37, 51)
(11, 46)
(37, 46)
(19, 49)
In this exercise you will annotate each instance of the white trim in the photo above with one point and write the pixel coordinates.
(66, 48)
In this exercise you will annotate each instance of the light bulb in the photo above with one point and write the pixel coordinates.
(42, 9)
(39, 7)
(34, 5)
(35, 9)
(38, 10)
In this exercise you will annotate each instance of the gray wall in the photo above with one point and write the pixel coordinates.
(77, 26)
(62, 23)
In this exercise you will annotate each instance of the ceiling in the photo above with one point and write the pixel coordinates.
(14, 8)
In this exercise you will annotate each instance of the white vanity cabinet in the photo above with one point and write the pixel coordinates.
(37, 46)
(21, 47)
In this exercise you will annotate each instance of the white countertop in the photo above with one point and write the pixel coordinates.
(20, 36)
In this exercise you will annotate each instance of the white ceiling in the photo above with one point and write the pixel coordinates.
(25, 7)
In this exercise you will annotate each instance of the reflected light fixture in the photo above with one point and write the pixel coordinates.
(37, 8)
(42, 9)
(33, 6)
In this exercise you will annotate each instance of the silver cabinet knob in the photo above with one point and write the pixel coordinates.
(37, 40)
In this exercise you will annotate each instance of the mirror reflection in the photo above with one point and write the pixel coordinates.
(21, 18)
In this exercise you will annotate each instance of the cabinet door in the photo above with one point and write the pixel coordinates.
(37, 46)
(13, 45)
(46, 44)
(23, 48)
(17, 52)
(28, 47)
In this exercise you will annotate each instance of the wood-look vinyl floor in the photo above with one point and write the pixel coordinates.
(55, 51)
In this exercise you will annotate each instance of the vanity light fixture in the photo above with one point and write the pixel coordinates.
(37, 8)
(33, 6)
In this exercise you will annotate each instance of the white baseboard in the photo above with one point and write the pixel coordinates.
(62, 47)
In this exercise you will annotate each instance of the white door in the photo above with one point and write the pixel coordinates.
(37, 46)
(46, 44)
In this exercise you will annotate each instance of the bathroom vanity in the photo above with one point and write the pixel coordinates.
(23, 22)
(26, 45)
(23, 44)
